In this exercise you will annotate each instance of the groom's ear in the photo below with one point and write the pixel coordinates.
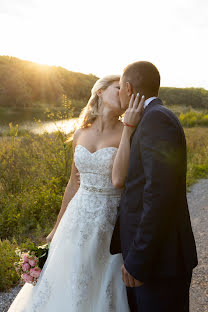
(129, 89)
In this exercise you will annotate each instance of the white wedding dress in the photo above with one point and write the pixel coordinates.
(80, 274)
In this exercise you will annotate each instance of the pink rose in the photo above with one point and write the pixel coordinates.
(27, 278)
(25, 267)
(35, 272)
(33, 262)
(25, 257)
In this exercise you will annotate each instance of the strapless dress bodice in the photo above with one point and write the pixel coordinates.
(96, 169)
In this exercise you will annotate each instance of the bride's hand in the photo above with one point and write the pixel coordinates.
(50, 235)
(135, 111)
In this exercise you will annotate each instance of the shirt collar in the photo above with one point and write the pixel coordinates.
(147, 102)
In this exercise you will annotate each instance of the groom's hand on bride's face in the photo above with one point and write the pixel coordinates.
(128, 279)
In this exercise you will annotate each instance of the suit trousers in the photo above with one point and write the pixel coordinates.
(162, 295)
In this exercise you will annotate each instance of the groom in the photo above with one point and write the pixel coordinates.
(153, 229)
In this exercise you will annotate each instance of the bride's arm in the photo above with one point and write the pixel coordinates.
(132, 116)
(121, 161)
(71, 189)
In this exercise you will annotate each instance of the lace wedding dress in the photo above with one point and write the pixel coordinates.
(80, 274)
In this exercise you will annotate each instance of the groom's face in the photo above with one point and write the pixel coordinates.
(123, 94)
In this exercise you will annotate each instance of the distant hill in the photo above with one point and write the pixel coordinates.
(27, 84)
(190, 97)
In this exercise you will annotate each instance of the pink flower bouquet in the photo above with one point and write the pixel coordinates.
(31, 263)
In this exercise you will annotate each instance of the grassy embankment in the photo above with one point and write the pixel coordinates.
(34, 172)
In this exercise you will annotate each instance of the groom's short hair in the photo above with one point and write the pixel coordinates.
(144, 77)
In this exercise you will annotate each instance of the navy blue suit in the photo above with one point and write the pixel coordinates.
(153, 229)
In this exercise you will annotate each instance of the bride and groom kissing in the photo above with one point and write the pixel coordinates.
(123, 239)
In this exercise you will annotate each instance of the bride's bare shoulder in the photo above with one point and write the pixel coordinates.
(77, 134)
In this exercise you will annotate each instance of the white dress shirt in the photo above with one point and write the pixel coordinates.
(146, 103)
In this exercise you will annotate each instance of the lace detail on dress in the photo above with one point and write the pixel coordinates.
(44, 294)
(97, 197)
(80, 282)
(109, 297)
(95, 168)
(80, 274)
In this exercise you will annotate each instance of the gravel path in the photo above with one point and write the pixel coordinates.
(198, 206)
(6, 298)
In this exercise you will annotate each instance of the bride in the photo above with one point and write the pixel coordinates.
(80, 274)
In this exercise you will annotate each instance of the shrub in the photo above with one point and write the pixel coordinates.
(197, 154)
(193, 118)
(8, 275)
(35, 171)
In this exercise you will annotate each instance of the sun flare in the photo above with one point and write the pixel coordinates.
(83, 37)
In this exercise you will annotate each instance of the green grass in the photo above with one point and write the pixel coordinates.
(197, 154)
(190, 117)
(8, 275)
(35, 170)
(193, 119)
(182, 109)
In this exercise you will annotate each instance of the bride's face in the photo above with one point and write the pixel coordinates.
(110, 98)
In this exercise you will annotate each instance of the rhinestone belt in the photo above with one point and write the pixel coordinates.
(110, 191)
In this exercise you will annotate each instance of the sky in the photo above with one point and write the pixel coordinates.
(102, 37)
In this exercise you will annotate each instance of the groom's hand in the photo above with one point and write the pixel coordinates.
(128, 279)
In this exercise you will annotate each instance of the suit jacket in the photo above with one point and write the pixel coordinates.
(153, 229)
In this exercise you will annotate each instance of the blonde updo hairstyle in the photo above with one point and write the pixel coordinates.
(91, 110)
